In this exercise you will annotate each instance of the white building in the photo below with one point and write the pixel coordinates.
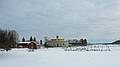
(57, 42)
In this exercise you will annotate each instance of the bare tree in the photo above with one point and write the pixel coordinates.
(8, 38)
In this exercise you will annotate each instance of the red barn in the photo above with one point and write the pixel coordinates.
(30, 45)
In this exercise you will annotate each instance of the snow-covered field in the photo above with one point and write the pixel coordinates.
(57, 57)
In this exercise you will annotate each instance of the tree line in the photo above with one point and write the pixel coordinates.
(31, 39)
(8, 38)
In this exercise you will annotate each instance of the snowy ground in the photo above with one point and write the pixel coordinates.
(57, 57)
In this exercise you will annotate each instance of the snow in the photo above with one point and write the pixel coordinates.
(24, 42)
(57, 57)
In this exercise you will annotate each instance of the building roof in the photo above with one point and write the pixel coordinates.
(24, 42)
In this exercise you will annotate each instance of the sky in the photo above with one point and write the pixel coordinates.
(96, 20)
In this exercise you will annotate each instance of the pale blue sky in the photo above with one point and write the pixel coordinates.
(97, 20)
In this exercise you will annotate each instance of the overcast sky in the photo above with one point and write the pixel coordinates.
(96, 20)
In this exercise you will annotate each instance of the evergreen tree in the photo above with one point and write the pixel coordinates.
(23, 39)
(31, 39)
(34, 39)
(41, 42)
(81, 41)
(85, 42)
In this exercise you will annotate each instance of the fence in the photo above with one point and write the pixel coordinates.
(91, 48)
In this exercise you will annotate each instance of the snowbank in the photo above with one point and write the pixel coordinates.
(57, 57)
